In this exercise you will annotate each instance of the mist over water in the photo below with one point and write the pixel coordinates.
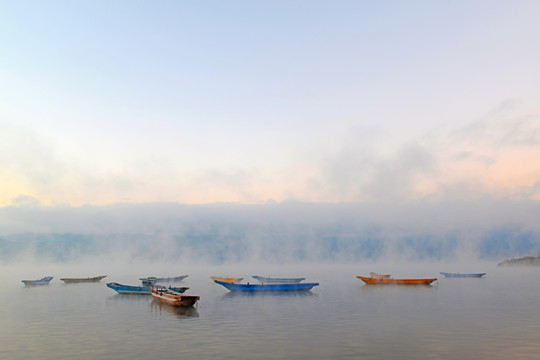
(494, 317)
(270, 233)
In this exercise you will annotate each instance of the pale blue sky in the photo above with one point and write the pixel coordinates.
(242, 101)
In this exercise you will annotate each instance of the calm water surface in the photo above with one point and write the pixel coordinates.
(497, 317)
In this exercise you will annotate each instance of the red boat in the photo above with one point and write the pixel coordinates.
(390, 281)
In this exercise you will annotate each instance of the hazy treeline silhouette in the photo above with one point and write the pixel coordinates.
(275, 232)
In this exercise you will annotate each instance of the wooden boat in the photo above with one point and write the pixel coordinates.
(391, 281)
(138, 290)
(43, 281)
(267, 287)
(152, 280)
(458, 275)
(267, 280)
(378, 276)
(83, 280)
(226, 279)
(171, 297)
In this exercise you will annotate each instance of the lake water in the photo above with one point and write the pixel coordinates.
(497, 317)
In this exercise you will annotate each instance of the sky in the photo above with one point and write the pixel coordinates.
(248, 102)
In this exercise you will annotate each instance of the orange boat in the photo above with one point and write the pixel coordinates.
(390, 281)
(226, 279)
(379, 276)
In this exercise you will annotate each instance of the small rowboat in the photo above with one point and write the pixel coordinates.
(83, 280)
(267, 280)
(390, 281)
(378, 276)
(267, 287)
(226, 279)
(171, 297)
(43, 281)
(138, 290)
(152, 280)
(458, 275)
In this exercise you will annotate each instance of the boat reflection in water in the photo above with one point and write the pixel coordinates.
(418, 287)
(258, 294)
(180, 312)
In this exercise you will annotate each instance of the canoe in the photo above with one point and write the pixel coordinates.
(267, 280)
(138, 290)
(152, 280)
(458, 275)
(172, 279)
(378, 276)
(43, 281)
(83, 280)
(226, 279)
(171, 297)
(391, 281)
(267, 287)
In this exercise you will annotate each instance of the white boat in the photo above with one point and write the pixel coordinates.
(267, 280)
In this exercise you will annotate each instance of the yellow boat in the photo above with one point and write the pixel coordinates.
(226, 279)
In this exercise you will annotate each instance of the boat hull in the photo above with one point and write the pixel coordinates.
(386, 281)
(152, 280)
(458, 275)
(226, 279)
(129, 289)
(173, 298)
(44, 281)
(138, 290)
(267, 287)
(83, 280)
(265, 280)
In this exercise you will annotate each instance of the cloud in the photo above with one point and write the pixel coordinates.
(495, 156)
(492, 157)
(25, 200)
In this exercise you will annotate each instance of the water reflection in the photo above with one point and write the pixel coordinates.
(179, 312)
(129, 298)
(259, 294)
(370, 287)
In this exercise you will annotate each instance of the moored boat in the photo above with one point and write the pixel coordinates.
(269, 280)
(83, 280)
(392, 281)
(43, 281)
(379, 276)
(138, 290)
(267, 287)
(152, 280)
(147, 281)
(226, 279)
(459, 275)
(172, 279)
(171, 297)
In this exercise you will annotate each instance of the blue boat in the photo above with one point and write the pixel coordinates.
(43, 281)
(267, 280)
(267, 287)
(458, 275)
(138, 290)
